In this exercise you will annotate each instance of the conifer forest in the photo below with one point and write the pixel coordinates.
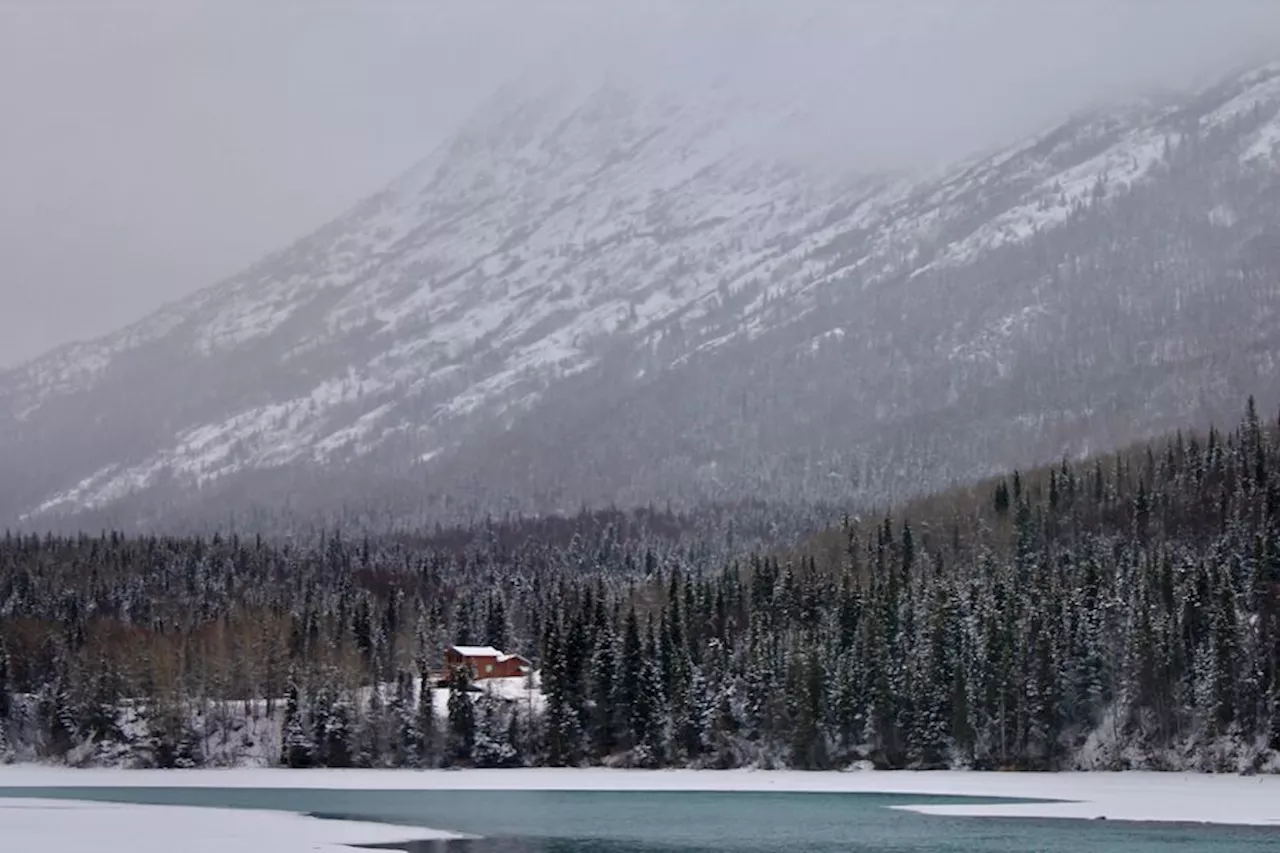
(1121, 611)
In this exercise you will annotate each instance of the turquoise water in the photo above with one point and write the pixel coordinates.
(696, 822)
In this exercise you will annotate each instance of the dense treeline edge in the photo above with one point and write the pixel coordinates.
(1120, 611)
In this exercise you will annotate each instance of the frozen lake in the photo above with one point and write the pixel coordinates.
(693, 820)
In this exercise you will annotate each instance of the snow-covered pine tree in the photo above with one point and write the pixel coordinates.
(462, 718)
(6, 708)
(406, 742)
(560, 686)
(497, 628)
(374, 732)
(626, 696)
(806, 685)
(603, 722)
(297, 741)
(651, 722)
(425, 721)
(492, 746)
(697, 726)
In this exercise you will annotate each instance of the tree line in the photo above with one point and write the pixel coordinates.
(1121, 611)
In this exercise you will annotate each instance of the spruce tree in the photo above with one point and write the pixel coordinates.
(462, 720)
(627, 695)
(497, 628)
(699, 719)
(407, 741)
(492, 746)
(807, 683)
(426, 726)
(603, 729)
(650, 715)
(297, 743)
(6, 708)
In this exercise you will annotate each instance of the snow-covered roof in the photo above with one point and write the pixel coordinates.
(486, 652)
(478, 651)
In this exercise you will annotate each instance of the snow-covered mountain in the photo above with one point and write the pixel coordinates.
(597, 296)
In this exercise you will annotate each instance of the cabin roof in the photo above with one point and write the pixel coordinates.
(477, 651)
(486, 652)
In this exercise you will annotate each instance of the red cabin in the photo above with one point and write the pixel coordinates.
(486, 662)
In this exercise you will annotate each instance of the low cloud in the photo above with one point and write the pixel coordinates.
(150, 148)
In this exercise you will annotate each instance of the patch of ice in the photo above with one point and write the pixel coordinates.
(69, 826)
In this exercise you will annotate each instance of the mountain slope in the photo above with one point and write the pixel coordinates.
(599, 296)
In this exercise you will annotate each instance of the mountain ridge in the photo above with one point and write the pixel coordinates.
(555, 266)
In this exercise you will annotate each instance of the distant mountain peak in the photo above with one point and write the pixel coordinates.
(594, 259)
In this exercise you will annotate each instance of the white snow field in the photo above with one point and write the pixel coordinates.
(1131, 796)
(64, 826)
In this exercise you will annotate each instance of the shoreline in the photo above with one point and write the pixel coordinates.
(1142, 796)
(57, 825)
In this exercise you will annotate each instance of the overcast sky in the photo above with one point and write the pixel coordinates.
(148, 149)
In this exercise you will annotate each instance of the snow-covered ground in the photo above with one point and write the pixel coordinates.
(1177, 797)
(243, 734)
(63, 826)
(526, 692)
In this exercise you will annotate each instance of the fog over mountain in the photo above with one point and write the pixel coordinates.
(833, 254)
(151, 149)
(599, 292)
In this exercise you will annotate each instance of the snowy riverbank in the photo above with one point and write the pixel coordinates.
(1175, 797)
(63, 826)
